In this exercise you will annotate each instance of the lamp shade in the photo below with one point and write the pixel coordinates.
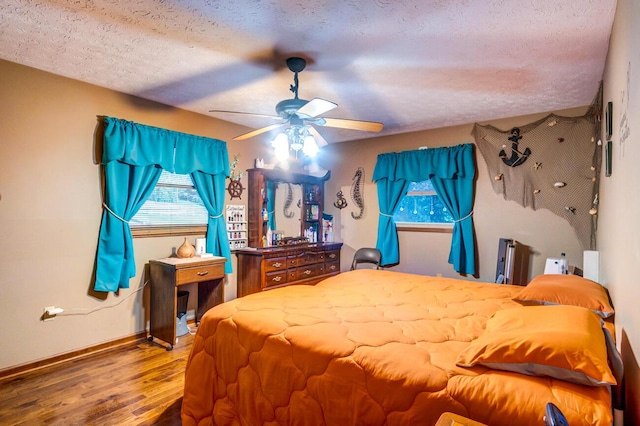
(281, 145)
(310, 147)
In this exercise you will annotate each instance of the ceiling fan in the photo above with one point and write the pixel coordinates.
(300, 113)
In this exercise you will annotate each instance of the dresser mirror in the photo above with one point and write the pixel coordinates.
(288, 199)
(294, 201)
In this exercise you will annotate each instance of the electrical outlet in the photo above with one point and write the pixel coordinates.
(45, 313)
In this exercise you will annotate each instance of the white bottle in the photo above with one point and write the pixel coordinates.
(564, 264)
(269, 237)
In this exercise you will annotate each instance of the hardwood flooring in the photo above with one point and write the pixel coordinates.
(140, 383)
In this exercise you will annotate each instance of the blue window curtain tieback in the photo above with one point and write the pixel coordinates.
(113, 213)
(451, 171)
(133, 157)
(464, 218)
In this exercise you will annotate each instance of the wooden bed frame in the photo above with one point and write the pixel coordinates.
(631, 386)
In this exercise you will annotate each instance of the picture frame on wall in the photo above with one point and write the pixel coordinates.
(609, 120)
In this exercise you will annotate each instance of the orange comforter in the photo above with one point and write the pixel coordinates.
(365, 347)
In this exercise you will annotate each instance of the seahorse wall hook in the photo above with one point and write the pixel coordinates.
(356, 193)
(287, 203)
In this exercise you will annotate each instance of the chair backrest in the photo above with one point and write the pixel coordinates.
(366, 255)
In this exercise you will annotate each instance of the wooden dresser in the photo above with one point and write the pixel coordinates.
(271, 267)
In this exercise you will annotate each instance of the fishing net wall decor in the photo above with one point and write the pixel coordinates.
(553, 163)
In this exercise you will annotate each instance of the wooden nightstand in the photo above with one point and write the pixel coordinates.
(170, 273)
(450, 419)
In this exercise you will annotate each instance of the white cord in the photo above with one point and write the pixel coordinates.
(87, 311)
(191, 330)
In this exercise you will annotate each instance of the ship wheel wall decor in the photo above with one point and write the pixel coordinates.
(235, 188)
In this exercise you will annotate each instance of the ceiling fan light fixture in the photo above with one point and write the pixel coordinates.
(296, 140)
(310, 147)
(281, 146)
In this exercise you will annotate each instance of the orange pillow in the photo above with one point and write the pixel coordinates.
(551, 289)
(563, 342)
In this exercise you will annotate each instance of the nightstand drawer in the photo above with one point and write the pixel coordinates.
(198, 274)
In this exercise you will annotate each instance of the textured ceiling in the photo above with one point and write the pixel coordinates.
(411, 64)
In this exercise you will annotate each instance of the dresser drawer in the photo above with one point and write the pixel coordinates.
(198, 274)
(332, 256)
(275, 264)
(308, 271)
(308, 258)
(275, 278)
(332, 267)
(321, 269)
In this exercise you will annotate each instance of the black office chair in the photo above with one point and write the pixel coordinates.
(366, 255)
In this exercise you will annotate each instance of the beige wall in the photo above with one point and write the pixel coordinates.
(545, 234)
(50, 210)
(619, 227)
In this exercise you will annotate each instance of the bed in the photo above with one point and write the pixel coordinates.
(379, 347)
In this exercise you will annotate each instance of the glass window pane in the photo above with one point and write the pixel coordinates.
(421, 207)
(174, 201)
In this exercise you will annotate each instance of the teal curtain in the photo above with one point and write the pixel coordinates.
(211, 190)
(133, 158)
(115, 261)
(452, 171)
(390, 193)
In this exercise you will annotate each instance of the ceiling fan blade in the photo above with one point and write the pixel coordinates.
(258, 132)
(318, 137)
(315, 107)
(219, 111)
(367, 126)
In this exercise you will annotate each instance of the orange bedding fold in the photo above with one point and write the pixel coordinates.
(366, 347)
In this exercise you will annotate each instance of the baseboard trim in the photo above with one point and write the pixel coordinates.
(36, 365)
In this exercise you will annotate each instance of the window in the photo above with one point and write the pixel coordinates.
(173, 208)
(421, 209)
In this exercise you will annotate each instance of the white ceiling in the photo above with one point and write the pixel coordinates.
(411, 64)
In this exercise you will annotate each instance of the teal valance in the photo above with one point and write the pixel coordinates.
(418, 165)
(141, 145)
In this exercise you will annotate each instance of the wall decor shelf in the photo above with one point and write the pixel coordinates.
(236, 226)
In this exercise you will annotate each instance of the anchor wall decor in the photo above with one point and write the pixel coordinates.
(514, 160)
(341, 202)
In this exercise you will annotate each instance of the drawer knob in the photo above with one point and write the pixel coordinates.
(203, 273)
(277, 264)
(276, 279)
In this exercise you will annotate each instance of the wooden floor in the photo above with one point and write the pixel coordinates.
(136, 384)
